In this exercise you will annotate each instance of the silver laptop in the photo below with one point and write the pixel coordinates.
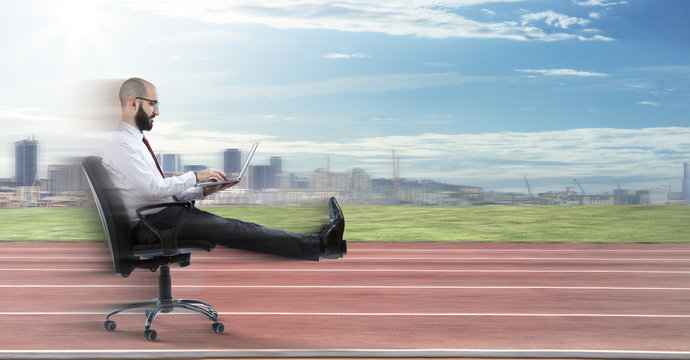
(239, 176)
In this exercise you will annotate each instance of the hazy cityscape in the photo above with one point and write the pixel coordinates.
(271, 184)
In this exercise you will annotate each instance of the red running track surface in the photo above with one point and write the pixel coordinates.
(404, 300)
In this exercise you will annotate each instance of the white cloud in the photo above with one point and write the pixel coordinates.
(648, 103)
(489, 12)
(595, 38)
(337, 56)
(555, 19)
(423, 18)
(561, 72)
(600, 3)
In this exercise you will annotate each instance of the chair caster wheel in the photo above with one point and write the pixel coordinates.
(150, 335)
(218, 328)
(110, 325)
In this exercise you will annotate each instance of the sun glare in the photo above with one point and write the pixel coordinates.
(76, 27)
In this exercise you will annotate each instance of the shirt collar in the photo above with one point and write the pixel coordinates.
(131, 130)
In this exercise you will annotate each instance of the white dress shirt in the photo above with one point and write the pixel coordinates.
(134, 173)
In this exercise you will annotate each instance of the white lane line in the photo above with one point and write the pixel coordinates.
(54, 269)
(103, 251)
(682, 316)
(460, 258)
(436, 250)
(80, 286)
(440, 287)
(343, 287)
(37, 257)
(448, 271)
(359, 249)
(349, 259)
(392, 314)
(517, 258)
(343, 353)
(489, 271)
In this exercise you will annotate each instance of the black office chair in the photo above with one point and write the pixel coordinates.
(127, 256)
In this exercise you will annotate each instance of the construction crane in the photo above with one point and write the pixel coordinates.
(529, 189)
(582, 190)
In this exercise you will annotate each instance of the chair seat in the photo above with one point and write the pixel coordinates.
(183, 247)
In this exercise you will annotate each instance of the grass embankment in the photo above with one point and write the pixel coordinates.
(596, 224)
(50, 224)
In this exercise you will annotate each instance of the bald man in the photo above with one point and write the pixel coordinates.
(132, 166)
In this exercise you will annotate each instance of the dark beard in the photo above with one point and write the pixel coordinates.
(143, 120)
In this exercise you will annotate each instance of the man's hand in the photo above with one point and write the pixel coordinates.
(208, 190)
(210, 175)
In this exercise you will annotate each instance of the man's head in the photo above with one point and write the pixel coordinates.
(139, 101)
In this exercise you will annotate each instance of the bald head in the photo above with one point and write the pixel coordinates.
(139, 102)
(134, 87)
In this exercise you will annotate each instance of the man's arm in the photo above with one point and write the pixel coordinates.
(125, 162)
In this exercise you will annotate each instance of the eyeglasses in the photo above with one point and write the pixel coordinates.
(154, 103)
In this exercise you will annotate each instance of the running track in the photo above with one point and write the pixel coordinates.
(381, 300)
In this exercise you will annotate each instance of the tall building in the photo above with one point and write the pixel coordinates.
(170, 163)
(276, 167)
(26, 162)
(285, 180)
(322, 179)
(232, 161)
(361, 181)
(259, 177)
(65, 178)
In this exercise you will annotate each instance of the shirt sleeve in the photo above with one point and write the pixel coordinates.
(127, 163)
(192, 193)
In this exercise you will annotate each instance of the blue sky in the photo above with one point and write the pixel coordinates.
(472, 92)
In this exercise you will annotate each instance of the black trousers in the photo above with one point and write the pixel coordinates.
(197, 224)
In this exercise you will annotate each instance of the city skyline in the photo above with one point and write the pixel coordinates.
(263, 176)
(478, 92)
(269, 184)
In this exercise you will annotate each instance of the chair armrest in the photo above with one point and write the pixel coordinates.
(167, 237)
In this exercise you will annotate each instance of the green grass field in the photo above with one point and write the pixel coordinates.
(595, 224)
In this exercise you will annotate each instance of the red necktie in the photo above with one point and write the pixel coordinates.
(153, 155)
(156, 161)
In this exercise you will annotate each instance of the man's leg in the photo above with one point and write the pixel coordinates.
(195, 224)
(199, 224)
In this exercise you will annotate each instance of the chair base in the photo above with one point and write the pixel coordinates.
(165, 304)
(156, 306)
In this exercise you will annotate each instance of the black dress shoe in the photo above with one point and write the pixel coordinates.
(331, 239)
(334, 212)
(331, 235)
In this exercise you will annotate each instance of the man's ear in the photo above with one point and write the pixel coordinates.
(133, 103)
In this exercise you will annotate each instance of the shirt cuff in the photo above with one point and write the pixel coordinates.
(189, 178)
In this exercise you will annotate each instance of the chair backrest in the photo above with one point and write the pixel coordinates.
(113, 215)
